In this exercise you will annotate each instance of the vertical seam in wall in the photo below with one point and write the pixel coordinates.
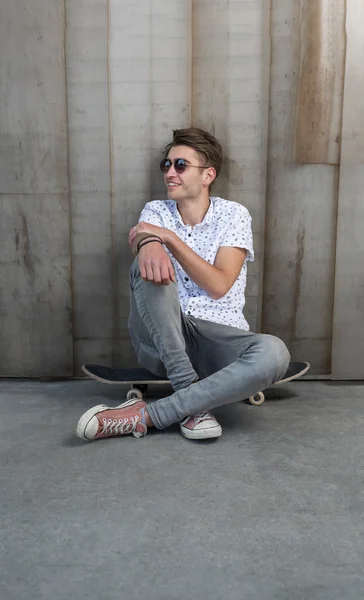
(114, 266)
(264, 236)
(338, 191)
(152, 107)
(72, 313)
(344, 73)
(191, 11)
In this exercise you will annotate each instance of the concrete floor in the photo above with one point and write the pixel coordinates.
(272, 510)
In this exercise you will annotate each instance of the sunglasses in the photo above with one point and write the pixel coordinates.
(180, 165)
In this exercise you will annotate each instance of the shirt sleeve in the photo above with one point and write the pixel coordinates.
(239, 231)
(150, 215)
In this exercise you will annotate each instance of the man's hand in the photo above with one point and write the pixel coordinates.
(143, 227)
(155, 264)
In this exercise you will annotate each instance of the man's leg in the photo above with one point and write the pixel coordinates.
(248, 363)
(164, 339)
(234, 365)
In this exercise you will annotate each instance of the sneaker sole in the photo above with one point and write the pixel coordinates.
(205, 434)
(89, 414)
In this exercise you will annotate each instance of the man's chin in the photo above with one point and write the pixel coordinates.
(173, 194)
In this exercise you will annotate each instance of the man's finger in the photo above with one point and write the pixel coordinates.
(157, 278)
(166, 280)
(143, 272)
(171, 272)
(149, 270)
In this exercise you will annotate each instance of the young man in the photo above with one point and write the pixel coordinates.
(187, 297)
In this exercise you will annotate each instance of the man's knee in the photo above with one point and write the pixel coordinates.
(275, 350)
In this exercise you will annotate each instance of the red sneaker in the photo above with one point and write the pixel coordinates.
(103, 421)
(200, 427)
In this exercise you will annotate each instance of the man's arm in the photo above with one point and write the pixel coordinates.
(216, 279)
(154, 263)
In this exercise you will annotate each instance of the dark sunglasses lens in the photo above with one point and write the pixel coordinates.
(165, 165)
(180, 165)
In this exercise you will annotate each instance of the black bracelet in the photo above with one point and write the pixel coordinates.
(155, 237)
(140, 246)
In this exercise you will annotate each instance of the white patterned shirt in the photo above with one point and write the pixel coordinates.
(226, 223)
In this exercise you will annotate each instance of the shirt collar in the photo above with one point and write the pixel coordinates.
(207, 218)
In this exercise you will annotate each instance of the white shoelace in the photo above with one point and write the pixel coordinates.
(200, 417)
(122, 426)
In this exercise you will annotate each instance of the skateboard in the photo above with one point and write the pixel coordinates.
(140, 378)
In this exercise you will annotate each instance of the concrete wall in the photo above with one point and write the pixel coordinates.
(91, 90)
(35, 274)
(301, 198)
(348, 331)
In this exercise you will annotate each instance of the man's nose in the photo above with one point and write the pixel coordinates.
(171, 171)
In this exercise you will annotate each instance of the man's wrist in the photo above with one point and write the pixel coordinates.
(151, 240)
(139, 238)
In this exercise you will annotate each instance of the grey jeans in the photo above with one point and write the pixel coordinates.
(231, 363)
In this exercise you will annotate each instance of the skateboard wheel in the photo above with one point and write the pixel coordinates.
(134, 394)
(257, 399)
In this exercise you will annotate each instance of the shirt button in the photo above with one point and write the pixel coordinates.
(189, 235)
(189, 312)
(186, 279)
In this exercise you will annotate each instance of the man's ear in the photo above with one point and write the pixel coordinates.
(210, 176)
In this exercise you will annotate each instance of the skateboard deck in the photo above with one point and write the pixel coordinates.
(139, 378)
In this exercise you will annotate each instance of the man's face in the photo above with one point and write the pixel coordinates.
(192, 181)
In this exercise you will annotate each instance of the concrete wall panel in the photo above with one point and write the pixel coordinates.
(320, 82)
(35, 300)
(32, 98)
(300, 215)
(348, 338)
(93, 247)
(35, 297)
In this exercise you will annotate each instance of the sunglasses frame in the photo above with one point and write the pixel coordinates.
(185, 166)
